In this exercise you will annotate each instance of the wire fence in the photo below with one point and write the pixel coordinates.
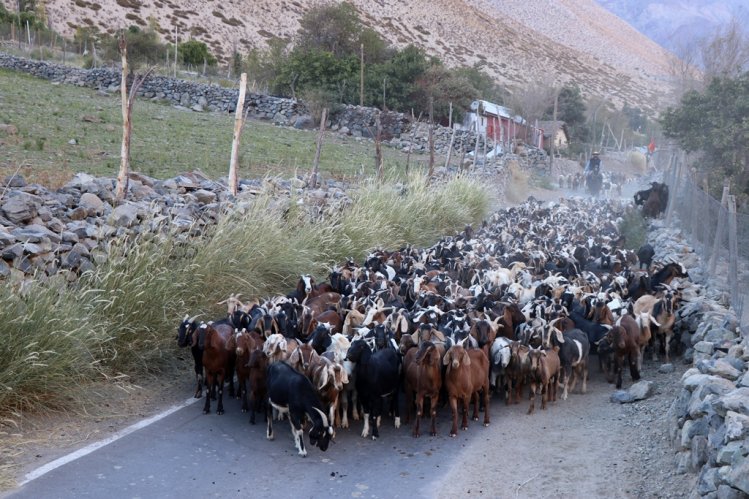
(716, 229)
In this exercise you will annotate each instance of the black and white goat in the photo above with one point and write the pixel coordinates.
(290, 392)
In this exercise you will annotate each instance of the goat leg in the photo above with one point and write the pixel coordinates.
(475, 400)
(454, 409)
(465, 401)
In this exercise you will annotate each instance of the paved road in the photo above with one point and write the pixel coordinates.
(189, 454)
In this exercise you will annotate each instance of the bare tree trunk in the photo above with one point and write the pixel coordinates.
(238, 123)
(122, 177)
(316, 162)
(128, 99)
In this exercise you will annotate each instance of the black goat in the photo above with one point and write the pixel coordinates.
(186, 336)
(377, 377)
(290, 392)
(593, 331)
(645, 255)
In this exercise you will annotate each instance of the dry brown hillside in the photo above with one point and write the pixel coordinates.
(517, 41)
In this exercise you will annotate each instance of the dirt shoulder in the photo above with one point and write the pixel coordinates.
(585, 446)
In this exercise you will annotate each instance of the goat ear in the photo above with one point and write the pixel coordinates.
(294, 357)
(446, 359)
(559, 335)
(466, 359)
(323, 378)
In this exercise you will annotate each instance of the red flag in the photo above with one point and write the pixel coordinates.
(651, 146)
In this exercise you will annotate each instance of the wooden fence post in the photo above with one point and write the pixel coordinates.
(675, 194)
(316, 162)
(720, 232)
(450, 149)
(733, 254)
(238, 125)
(707, 223)
(378, 149)
(431, 137)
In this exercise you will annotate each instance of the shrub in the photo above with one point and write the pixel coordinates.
(634, 228)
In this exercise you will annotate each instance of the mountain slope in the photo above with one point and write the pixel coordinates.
(517, 42)
(671, 22)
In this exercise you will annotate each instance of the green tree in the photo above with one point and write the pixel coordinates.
(715, 122)
(330, 28)
(265, 66)
(401, 72)
(194, 52)
(445, 86)
(571, 110)
(143, 47)
(308, 69)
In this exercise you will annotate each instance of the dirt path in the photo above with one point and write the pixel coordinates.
(583, 447)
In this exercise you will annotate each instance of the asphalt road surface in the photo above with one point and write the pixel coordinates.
(189, 454)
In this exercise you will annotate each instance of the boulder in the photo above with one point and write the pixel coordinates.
(35, 234)
(125, 215)
(621, 397)
(736, 401)
(204, 196)
(92, 203)
(304, 122)
(738, 475)
(730, 452)
(20, 209)
(642, 390)
(737, 426)
(14, 181)
(727, 492)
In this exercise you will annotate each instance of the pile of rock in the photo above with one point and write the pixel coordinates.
(710, 417)
(45, 232)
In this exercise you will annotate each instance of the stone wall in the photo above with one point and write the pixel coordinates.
(356, 121)
(709, 418)
(351, 120)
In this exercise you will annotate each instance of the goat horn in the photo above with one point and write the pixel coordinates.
(323, 416)
(185, 317)
(192, 319)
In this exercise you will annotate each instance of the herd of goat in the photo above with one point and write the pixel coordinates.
(520, 302)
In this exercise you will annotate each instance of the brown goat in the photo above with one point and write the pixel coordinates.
(661, 310)
(467, 374)
(258, 367)
(424, 379)
(624, 341)
(517, 371)
(244, 343)
(543, 375)
(217, 362)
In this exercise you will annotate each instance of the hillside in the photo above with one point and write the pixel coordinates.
(515, 41)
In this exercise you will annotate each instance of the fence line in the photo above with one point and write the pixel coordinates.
(718, 232)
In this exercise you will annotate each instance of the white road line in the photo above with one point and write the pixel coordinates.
(43, 470)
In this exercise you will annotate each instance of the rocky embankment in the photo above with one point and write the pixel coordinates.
(44, 232)
(709, 418)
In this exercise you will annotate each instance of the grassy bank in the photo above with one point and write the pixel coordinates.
(44, 117)
(120, 319)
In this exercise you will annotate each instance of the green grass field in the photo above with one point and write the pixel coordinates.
(165, 141)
